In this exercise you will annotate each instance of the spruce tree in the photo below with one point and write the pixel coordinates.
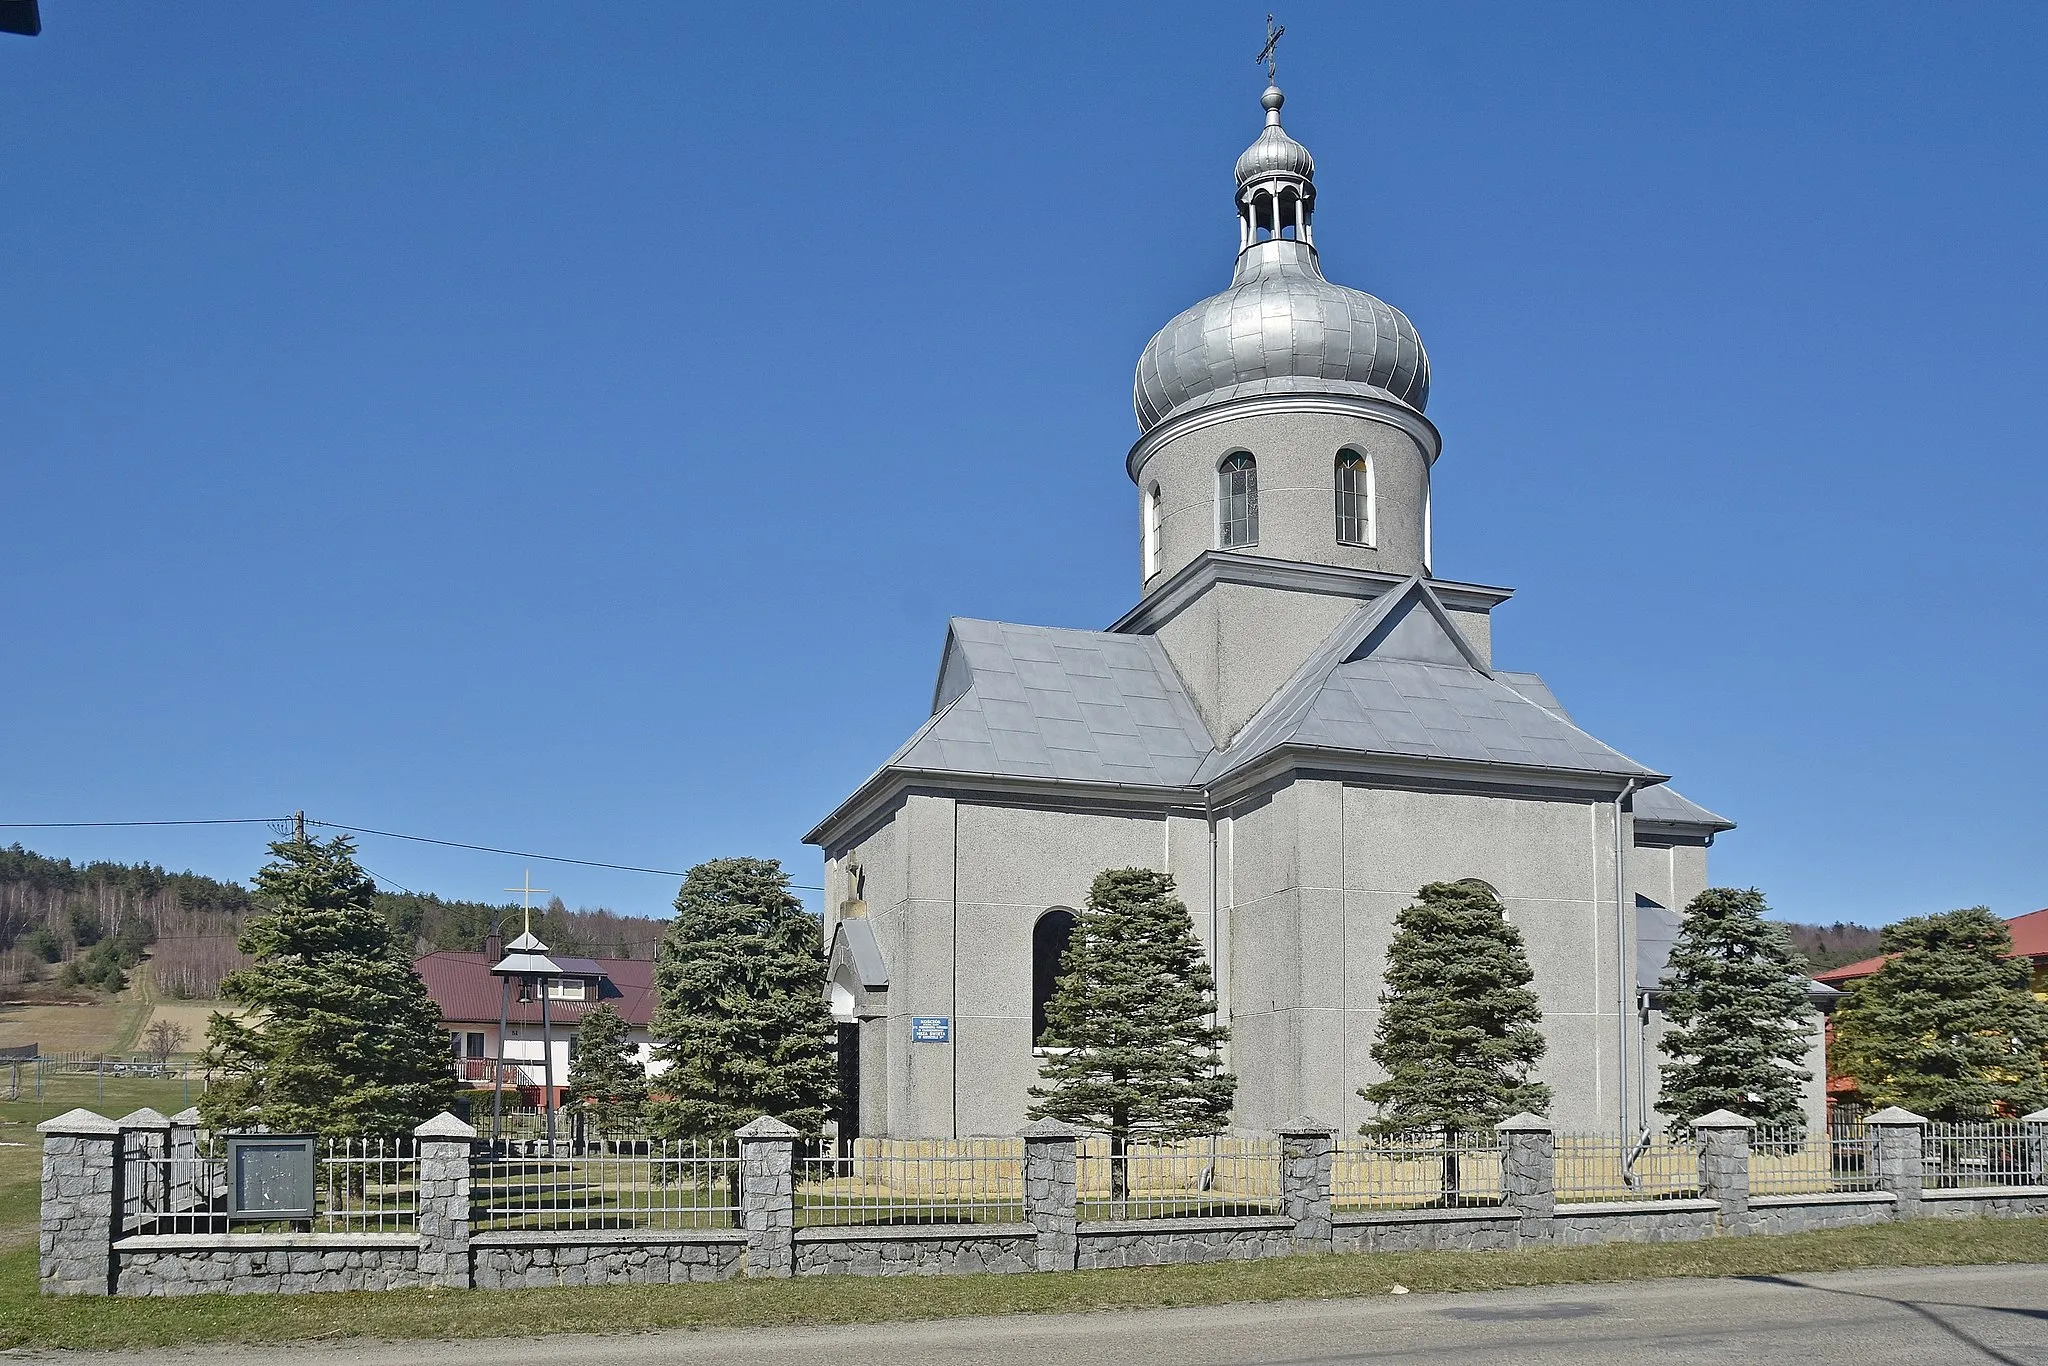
(1135, 1052)
(342, 1038)
(1458, 1028)
(740, 1011)
(1740, 1021)
(607, 1084)
(1947, 1027)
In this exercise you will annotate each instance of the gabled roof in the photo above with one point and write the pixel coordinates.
(853, 942)
(2029, 940)
(1397, 678)
(1024, 706)
(1042, 702)
(462, 985)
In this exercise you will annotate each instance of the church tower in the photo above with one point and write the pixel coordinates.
(1283, 461)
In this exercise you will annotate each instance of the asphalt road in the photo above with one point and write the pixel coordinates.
(1868, 1318)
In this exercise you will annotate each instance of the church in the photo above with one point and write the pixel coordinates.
(1299, 720)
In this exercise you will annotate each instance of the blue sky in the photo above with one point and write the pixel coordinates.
(569, 429)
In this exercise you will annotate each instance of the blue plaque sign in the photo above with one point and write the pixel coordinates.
(270, 1176)
(931, 1029)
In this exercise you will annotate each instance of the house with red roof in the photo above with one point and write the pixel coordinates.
(495, 1021)
(2029, 940)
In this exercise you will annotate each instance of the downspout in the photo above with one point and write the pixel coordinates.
(1208, 1180)
(1621, 1002)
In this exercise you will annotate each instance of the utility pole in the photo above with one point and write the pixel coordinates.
(299, 827)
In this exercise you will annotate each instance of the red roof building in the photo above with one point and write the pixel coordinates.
(471, 999)
(2029, 940)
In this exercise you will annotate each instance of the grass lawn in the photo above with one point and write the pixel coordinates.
(29, 1321)
(107, 1025)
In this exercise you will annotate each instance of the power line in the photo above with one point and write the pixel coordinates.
(86, 825)
(365, 830)
(522, 853)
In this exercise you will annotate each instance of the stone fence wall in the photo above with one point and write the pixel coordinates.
(86, 1250)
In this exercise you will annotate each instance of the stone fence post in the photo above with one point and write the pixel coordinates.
(1899, 1134)
(1528, 1175)
(1724, 1166)
(81, 1203)
(444, 1154)
(1308, 1151)
(767, 1196)
(1051, 1194)
(2037, 1146)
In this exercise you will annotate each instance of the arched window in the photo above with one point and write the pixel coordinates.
(1355, 510)
(1237, 495)
(1048, 944)
(1152, 530)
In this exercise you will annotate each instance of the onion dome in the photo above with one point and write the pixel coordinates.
(1274, 153)
(1280, 327)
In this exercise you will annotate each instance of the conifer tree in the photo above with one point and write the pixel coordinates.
(740, 1011)
(607, 1084)
(1135, 1050)
(1740, 1021)
(1947, 1027)
(342, 1038)
(1458, 1028)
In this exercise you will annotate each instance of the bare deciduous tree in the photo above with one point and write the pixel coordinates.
(163, 1038)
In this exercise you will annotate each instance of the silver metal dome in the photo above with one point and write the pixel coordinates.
(1280, 328)
(1274, 153)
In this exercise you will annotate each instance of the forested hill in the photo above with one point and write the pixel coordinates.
(88, 924)
(1833, 946)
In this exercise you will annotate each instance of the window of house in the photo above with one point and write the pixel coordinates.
(1237, 490)
(1151, 530)
(1355, 511)
(474, 1043)
(1048, 944)
(565, 988)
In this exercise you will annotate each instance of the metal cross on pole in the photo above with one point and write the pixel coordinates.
(528, 892)
(1269, 54)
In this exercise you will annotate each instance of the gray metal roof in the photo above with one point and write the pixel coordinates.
(855, 939)
(1043, 702)
(1398, 679)
(1665, 807)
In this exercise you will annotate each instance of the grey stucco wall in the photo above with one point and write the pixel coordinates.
(1310, 878)
(1296, 454)
(1315, 875)
(1236, 644)
(954, 890)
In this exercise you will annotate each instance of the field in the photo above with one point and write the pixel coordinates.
(100, 1026)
